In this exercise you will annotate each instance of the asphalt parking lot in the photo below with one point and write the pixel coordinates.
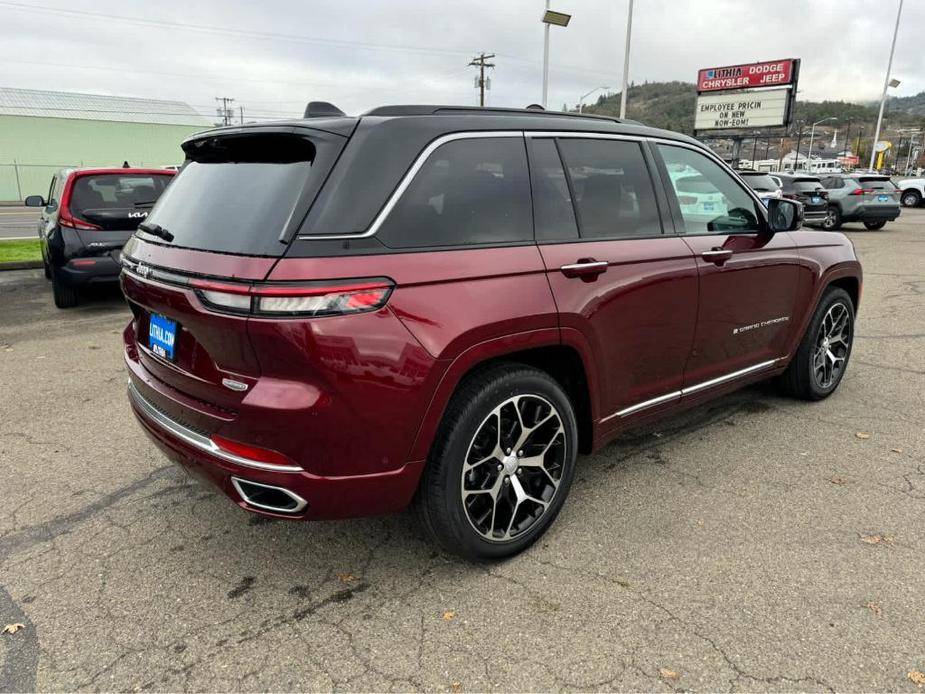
(754, 544)
(18, 222)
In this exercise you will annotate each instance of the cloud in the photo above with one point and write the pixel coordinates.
(274, 56)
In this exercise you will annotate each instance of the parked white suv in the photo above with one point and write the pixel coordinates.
(913, 191)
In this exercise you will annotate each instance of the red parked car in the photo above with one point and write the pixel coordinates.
(443, 306)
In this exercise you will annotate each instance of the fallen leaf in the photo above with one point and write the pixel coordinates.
(862, 435)
(835, 479)
(897, 450)
(877, 539)
(449, 615)
(456, 687)
(874, 606)
(916, 676)
(12, 628)
(669, 674)
(345, 578)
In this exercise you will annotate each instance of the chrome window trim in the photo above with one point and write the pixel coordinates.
(197, 440)
(678, 394)
(408, 178)
(582, 135)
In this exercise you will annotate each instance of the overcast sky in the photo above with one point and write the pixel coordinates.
(273, 56)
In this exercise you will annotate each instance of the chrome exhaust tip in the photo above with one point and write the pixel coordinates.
(267, 497)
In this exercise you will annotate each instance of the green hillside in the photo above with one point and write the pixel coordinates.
(670, 105)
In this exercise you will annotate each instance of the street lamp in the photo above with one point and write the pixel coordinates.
(887, 83)
(560, 19)
(581, 100)
(626, 60)
(812, 132)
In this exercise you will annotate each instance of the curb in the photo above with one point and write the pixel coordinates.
(22, 265)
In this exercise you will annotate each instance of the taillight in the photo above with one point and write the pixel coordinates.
(790, 196)
(253, 453)
(66, 220)
(687, 200)
(308, 299)
(861, 191)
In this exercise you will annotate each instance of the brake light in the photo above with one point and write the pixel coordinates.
(790, 196)
(255, 453)
(687, 200)
(861, 191)
(65, 219)
(310, 299)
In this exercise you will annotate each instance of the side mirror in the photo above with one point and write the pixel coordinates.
(784, 215)
(35, 201)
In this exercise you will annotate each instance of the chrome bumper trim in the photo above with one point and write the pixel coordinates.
(197, 440)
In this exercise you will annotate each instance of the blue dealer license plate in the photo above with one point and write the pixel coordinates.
(816, 200)
(883, 198)
(162, 336)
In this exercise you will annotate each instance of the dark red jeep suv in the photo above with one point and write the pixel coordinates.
(443, 306)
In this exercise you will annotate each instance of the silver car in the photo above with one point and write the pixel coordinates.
(868, 198)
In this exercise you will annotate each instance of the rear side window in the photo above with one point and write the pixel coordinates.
(236, 194)
(116, 192)
(612, 188)
(470, 191)
(552, 200)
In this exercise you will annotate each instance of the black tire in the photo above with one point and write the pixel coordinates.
(64, 295)
(873, 226)
(911, 198)
(439, 503)
(833, 220)
(46, 268)
(801, 379)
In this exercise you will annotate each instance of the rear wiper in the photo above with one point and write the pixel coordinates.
(156, 230)
(145, 203)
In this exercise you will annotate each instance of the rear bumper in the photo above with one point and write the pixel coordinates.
(324, 497)
(88, 270)
(864, 213)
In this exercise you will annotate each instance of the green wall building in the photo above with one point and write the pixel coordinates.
(42, 132)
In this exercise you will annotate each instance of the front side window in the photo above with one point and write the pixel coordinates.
(469, 191)
(612, 188)
(709, 198)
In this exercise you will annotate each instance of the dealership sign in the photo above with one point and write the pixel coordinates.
(765, 108)
(776, 73)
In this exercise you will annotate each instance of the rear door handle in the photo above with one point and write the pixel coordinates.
(717, 255)
(585, 267)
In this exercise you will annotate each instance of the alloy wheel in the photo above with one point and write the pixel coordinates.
(832, 345)
(513, 467)
(829, 221)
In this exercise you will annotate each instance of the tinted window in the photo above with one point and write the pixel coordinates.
(552, 201)
(760, 182)
(111, 192)
(236, 194)
(833, 183)
(879, 183)
(469, 191)
(612, 188)
(710, 199)
(807, 185)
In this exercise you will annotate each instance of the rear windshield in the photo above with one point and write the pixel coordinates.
(236, 194)
(116, 192)
(694, 184)
(760, 182)
(876, 183)
(807, 184)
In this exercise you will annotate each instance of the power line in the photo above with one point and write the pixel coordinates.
(479, 62)
(225, 113)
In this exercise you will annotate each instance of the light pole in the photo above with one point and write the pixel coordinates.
(812, 132)
(887, 83)
(626, 60)
(581, 100)
(559, 19)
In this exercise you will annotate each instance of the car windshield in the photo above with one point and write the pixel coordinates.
(116, 191)
(807, 185)
(760, 182)
(876, 183)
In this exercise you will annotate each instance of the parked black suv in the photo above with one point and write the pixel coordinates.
(86, 220)
(809, 191)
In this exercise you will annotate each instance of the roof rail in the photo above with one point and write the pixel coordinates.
(432, 110)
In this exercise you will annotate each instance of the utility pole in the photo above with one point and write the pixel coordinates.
(241, 109)
(224, 112)
(479, 62)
